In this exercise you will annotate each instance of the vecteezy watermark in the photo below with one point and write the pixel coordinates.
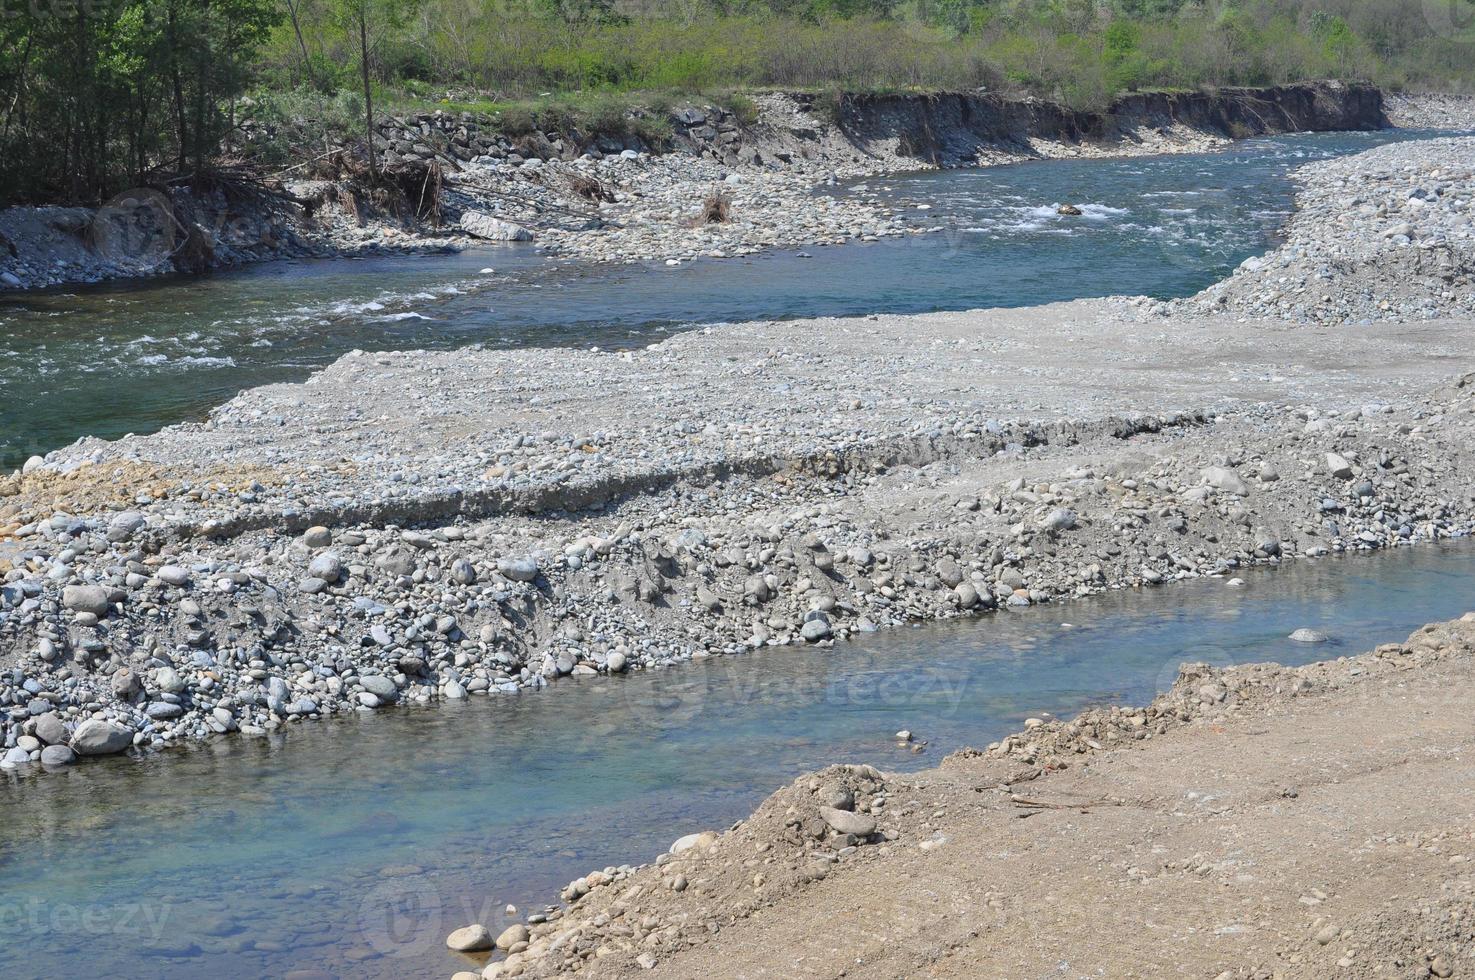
(137, 230)
(35, 916)
(404, 917)
(1172, 668)
(1451, 19)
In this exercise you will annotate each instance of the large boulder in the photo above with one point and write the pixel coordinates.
(94, 737)
(479, 225)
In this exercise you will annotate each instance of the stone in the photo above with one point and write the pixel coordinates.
(1225, 479)
(123, 527)
(480, 225)
(1069, 210)
(1305, 635)
(837, 796)
(1338, 466)
(125, 684)
(317, 537)
(51, 730)
(470, 939)
(511, 936)
(380, 686)
(56, 756)
(95, 737)
(326, 566)
(1060, 519)
(815, 630)
(518, 569)
(167, 679)
(615, 663)
(174, 575)
(845, 822)
(463, 572)
(698, 841)
(86, 599)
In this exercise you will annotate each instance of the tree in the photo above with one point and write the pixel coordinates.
(368, 21)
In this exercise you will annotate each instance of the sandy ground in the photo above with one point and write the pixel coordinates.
(1316, 823)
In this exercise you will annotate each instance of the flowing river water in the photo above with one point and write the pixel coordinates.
(352, 846)
(132, 357)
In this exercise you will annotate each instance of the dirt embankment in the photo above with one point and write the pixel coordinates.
(1254, 822)
(952, 128)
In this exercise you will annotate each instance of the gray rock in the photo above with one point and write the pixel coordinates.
(815, 630)
(95, 737)
(56, 756)
(86, 599)
(845, 822)
(518, 569)
(317, 537)
(174, 575)
(167, 679)
(51, 730)
(463, 572)
(379, 686)
(470, 939)
(125, 684)
(123, 527)
(512, 935)
(1225, 479)
(1305, 635)
(1059, 520)
(1338, 466)
(479, 225)
(326, 566)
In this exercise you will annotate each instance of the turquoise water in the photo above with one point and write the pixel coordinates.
(352, 846)
(122, 358)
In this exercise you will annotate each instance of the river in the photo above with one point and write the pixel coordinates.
(133, 357)
(354, 845)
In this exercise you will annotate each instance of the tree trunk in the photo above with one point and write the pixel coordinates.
(181, 130)
(297, 29)
(368, 90)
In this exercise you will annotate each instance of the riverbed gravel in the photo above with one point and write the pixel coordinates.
(1384, 235)
(415, 526)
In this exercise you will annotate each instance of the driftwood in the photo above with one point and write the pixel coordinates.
(410, 190)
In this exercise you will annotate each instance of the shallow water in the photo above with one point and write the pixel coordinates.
(133, 357)
(354, 845)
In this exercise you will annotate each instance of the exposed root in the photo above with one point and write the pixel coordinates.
(716, 210)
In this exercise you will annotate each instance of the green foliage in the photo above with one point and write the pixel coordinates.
(94, 96)
(131, 90)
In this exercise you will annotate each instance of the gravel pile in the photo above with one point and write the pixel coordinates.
(1384, 235)
(1432, 110)
(411, 527)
